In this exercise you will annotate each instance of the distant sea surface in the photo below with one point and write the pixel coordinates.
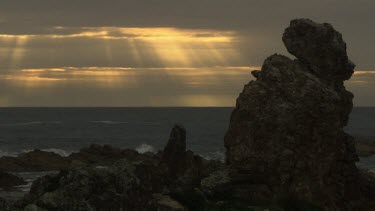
(65, 130)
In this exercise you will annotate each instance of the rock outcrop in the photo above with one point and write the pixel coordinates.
(365, 146)
(8, 180)
(286, 131)
(35, 160)
(175, 150)
(38, 160)
(133, 182)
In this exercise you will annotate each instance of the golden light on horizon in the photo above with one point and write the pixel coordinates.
(166, 47)
(150, 34)
(112, 77)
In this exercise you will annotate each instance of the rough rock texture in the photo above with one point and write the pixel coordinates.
(286, 131)
(8, 180)
(174, 151)
(4, 205)
(365, 146)
(38, 160)
(319, 47)
(35, 160)
(125, 185)
(133, 182)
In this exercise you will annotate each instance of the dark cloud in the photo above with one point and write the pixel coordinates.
(255, 29)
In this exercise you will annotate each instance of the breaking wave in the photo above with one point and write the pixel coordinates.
(29, 123)
(109, 122)
(143, 148)
(217, 155)
(61, 152)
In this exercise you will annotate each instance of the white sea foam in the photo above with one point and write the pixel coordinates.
(109, 122)
(216, 155)
(30, 123)
(143, 148)
(61, 152)
(30, 177)
(5, 153)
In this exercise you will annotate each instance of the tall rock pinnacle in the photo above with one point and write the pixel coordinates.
(286, 131)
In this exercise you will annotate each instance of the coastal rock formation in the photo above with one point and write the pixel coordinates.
(320, 48)
(133, 182)
(174, 152)
(365, 146)
(124, 185)
(5, 206)
(8, 180)
(286, 131)
(38, 160)
(35, 160)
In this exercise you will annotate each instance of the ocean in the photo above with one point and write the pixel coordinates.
(66, 130)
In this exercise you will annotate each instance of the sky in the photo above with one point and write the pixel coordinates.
(161, 52)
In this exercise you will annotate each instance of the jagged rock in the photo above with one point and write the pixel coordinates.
(35, 160)
(128, 184)
(286, 131)
(255, 73)
(217, 184)
(102, 155)
(176, 146)
(4, 205)
(38, 160)
(8, 180)
(125, 185)
(365, 146)
(174, 154)
(319, 47)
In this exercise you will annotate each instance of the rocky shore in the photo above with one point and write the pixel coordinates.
(286, 149)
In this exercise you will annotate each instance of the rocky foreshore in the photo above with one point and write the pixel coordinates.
(286, 149)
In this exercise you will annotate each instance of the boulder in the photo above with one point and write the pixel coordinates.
(320, 48)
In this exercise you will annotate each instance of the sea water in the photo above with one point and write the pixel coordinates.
(66, 130)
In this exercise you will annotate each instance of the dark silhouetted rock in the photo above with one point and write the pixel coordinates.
(8, 180)
(38, 160)
(102, 155)
(320, 48)
(5, 206)
(286, 131)
(174, 154)
(176, 146)
(35, 160)
(124, 185)
(138, 182)
(255, 73)
(365, 146)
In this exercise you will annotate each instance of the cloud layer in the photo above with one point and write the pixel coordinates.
(159, 53)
